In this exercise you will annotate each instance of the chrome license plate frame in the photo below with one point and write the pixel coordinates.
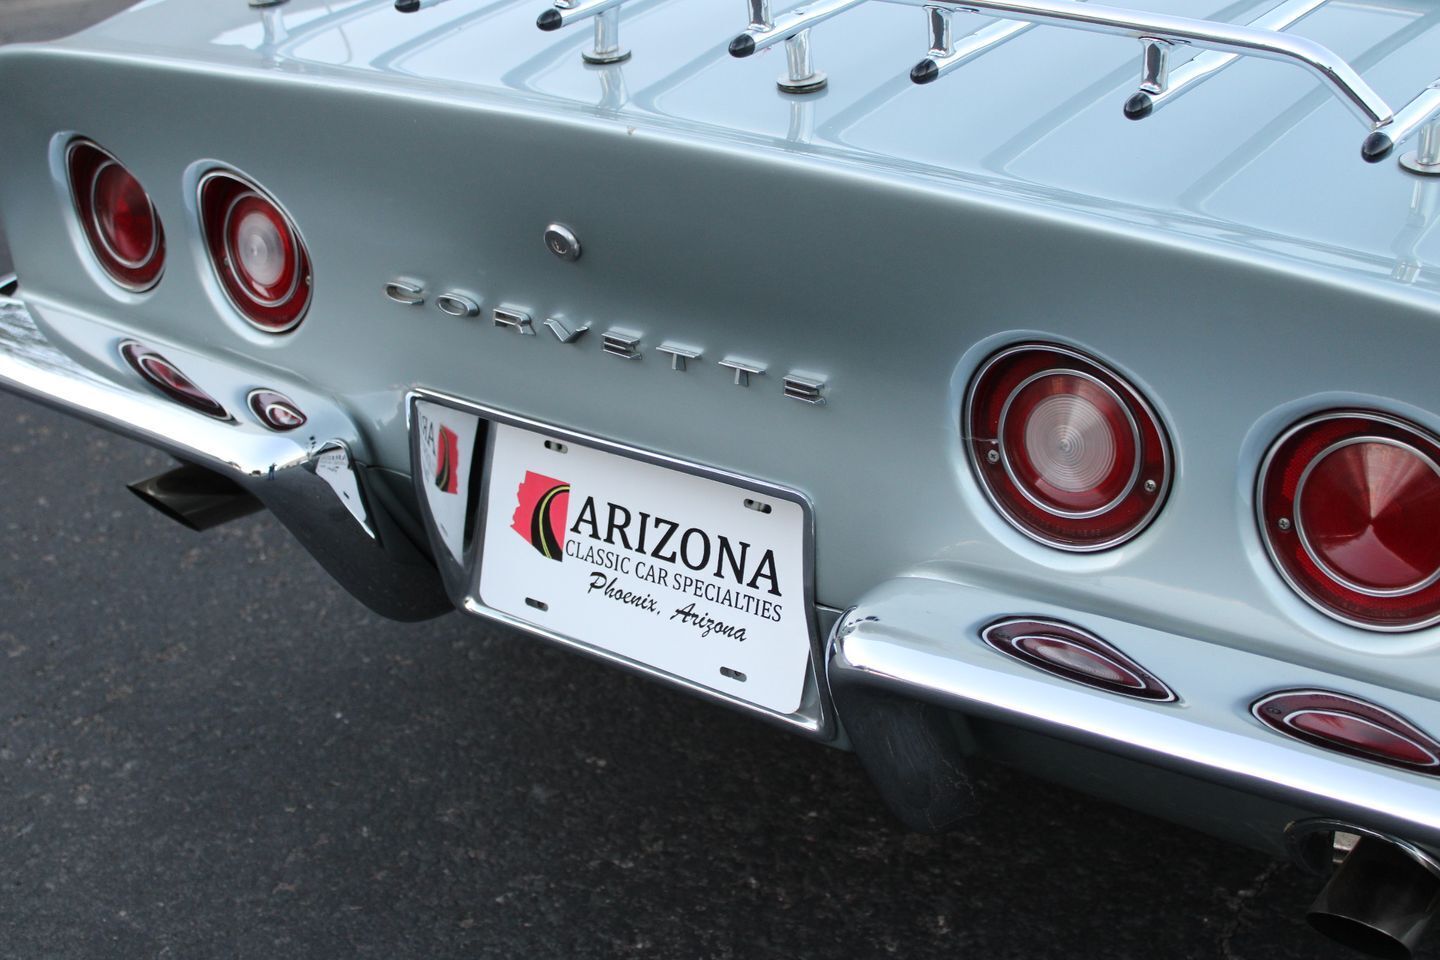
(461, 568)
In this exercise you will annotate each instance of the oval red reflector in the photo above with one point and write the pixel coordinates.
(1070, 656)
(275, 410)
(167, 378)
(1074, 654)
(1349, 725)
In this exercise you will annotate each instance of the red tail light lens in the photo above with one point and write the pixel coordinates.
(1074, 654)
(1337, 721)
(117, 217)
(1349, 506)
(1065, 449)
(167, 378)
(258, 255)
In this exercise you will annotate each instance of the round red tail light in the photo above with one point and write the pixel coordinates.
(116, 216)
(1065, 449)
(1349, 508)
(258, 255)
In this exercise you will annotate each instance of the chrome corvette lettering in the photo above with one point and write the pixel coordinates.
(697, 547)
(624, 343)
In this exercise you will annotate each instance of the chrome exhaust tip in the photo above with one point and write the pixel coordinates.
(196, 498)
(1381, 898)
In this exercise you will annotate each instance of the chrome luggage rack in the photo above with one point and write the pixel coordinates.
(1159, 35)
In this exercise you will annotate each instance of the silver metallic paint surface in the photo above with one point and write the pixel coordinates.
(1233, 256)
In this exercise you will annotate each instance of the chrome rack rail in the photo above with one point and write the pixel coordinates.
(1159, 33)
(946, 54)
(1224, 43)
(607, 47)
(793, 29)
(1152, 95)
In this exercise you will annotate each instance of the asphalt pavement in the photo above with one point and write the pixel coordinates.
(208, 750)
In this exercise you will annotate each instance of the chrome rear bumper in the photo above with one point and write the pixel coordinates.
(300, 477)
(919, 639)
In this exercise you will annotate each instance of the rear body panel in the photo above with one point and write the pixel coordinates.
(1232, 257)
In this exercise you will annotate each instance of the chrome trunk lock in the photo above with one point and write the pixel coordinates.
(561, 241)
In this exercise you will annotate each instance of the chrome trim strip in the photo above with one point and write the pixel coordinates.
(1298, 519)
(1212, 741)
(815, 717)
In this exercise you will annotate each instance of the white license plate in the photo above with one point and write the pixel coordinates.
(699, 578)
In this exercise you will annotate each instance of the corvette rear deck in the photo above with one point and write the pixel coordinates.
(925, 418)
